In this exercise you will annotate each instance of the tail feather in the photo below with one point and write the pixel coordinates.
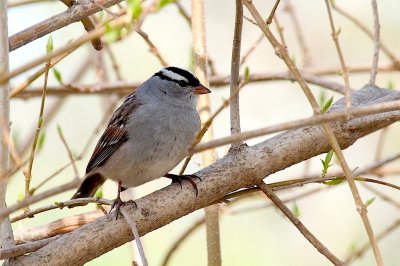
(88, 187)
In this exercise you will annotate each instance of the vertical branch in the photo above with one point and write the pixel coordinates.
(6, 233)
(345, 71)
(208, 157)
(377, 44)
(235, 64)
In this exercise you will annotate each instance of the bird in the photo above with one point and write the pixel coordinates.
(148, 135)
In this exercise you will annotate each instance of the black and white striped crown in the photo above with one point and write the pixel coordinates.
(180, 76)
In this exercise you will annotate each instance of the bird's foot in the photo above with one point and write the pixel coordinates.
(180, 178)
(118, 203)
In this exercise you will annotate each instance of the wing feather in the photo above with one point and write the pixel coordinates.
(115, 134)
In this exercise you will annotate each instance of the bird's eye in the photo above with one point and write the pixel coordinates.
(182, 83)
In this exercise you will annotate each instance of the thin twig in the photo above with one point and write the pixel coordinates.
(377, 43)
(296, 222)
(22, 249)
(114, 62)
(61, 205)
(153, 49)
(38, 197)
(345, 72)
(135, 232)
(299, 33)
(70, 156)
(271, 15)
(279, 29)
(360, 252)
(47, 179)
(251, 49)
(28, 171)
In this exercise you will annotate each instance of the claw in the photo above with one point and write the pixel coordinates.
(118, 203)
(180, 178)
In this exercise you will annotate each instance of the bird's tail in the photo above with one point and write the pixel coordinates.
(88, 187)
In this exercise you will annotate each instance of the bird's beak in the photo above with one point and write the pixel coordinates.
(201, 90)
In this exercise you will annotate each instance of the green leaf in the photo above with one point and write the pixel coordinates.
(112, 34)
(328, 156)
(369, 202)
(296, 210)
(135, 8)
(163, 3)
(322, 97)
(390, 85)
(334, 182)
(326, 163)
(41, 139)
(59, 130)
(246, 74)
(99, 193)
(49, 45)
(57, 75)
(20, 196)
(327, 105)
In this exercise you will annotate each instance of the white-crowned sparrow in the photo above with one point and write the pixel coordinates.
(148, 135)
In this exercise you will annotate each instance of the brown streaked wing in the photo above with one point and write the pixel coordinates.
(115, 134)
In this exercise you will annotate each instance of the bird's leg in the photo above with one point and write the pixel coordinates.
(180, 178)
(118, 203)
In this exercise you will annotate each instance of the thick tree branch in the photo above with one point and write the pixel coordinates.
(242, 169)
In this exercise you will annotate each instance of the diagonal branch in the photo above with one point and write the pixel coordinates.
(78, 12)
(243, 169)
